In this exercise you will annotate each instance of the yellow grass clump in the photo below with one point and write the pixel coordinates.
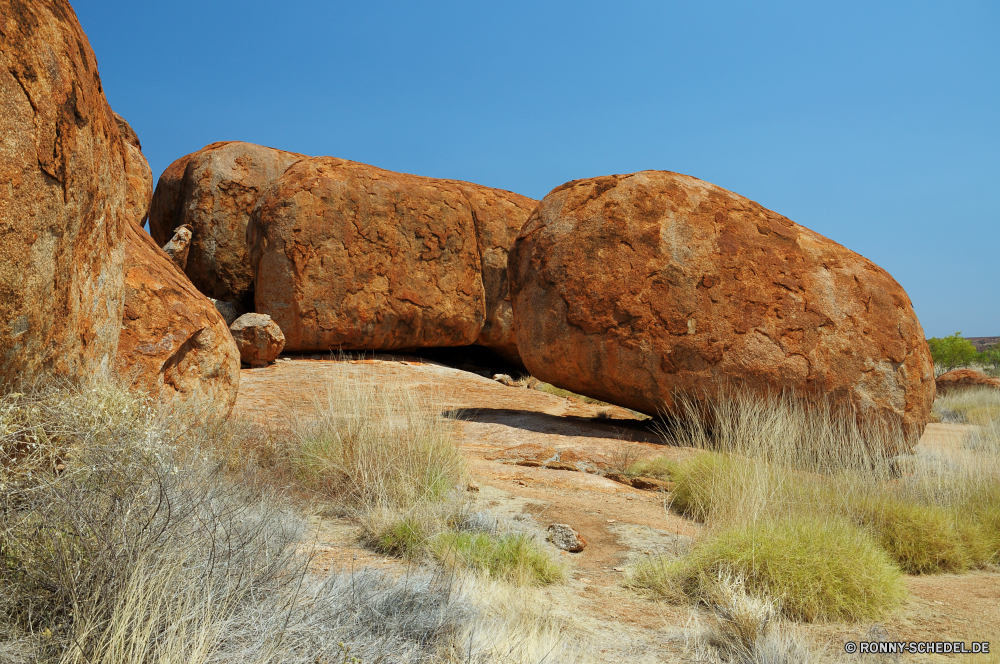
(782, 471)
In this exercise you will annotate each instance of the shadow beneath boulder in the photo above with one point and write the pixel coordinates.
(562, 425)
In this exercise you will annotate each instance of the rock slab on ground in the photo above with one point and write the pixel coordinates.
(258, 337)
(63, 198)
(346, 255)
(964, 379)
(634, 288)
(213, 191)
(174, 344)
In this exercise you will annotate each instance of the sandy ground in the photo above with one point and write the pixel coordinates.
(500, 425)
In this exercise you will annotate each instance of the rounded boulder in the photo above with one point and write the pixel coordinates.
(212, 191)
(958, 379)
(636, 288)
(258, 337)
(350, 256)
(174, 344)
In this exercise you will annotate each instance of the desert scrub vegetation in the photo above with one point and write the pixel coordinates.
(813, 569)
(121, 542)
(517, 558)
(742, 628)
(375, 444)
(779, 471)
(971, 405)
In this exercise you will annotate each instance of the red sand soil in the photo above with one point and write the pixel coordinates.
(499, 425)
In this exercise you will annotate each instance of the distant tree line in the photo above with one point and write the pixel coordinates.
(953, 351)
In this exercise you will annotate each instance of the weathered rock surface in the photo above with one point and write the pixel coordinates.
(213, 191)
(63, 198)
(138, 176)
(565, 537)
(631, 288)
(351, 256)
(498, 216)
(179, 246)
(174, 344)
(964, 378)
(230, 310)
(258, 337)
(128, 134)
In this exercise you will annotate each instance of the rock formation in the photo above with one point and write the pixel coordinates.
(174, 344)
(213, 191)
(64, 198)
(139, 177)
(964, 378)
(633, 288)
(179, 246)
(351, 256)
(230, 310)
(498, 216)
(259, 339)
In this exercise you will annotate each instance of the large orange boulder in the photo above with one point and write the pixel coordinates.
(174, 344)
(63, 198)
(635, 288)
(963, 379)
(213, 191)
(351, 256)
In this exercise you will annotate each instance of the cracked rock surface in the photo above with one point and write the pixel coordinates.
(64, 198)
(351, 256)
(629, 288)
(213, 191)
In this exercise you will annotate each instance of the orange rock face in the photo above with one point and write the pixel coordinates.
(138, 176)
(631, 288)
(63, 196)
(174, 344)
(964, 378)
(213, 191)
(351, 256)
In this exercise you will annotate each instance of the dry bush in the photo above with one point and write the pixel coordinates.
(745, 629)
(120, 542)
(375, 444)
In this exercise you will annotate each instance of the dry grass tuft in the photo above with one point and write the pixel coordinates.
(778, 471)
(375, 444)
(972, 405)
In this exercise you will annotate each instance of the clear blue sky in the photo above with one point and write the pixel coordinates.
(875, 124)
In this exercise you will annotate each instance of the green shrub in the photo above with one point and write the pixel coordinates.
(990, 359)
(657, 467)
(922, 539)
(513, 557)
(816, 569)
(953, 351)
(709, 480)
(979, 524)
(404, 538)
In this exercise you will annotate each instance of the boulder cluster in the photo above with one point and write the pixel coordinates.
(632, 289)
